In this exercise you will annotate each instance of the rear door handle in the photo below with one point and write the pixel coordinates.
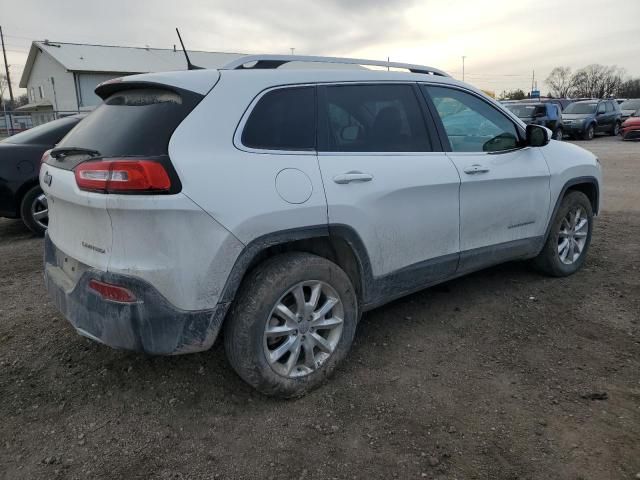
(477, 168)
(352, 177)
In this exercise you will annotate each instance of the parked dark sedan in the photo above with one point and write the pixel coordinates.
(586, 118)
(20, 193)
(546, 114)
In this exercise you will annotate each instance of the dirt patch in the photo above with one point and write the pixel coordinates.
(501, 375)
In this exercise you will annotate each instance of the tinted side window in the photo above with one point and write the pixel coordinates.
(609, 107)
(471, 124)
(283, 119)
(374, 118)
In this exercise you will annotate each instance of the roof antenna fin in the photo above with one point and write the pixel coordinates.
(190, 66)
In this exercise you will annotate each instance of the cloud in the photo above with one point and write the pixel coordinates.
(502, 39)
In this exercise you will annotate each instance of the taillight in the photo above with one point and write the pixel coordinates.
(113, 293)
(45, 155)
(122, 176)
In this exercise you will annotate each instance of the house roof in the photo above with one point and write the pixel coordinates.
(77, 57)
(43, 104)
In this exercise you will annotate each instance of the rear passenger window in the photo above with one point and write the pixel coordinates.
(609, 107)
(283, 119)
(374, 118)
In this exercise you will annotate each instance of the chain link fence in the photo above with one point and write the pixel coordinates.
(16, 121)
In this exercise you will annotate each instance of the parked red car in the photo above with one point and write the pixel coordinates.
(630, 129)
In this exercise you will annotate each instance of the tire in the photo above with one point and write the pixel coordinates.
(245, 336)
(550, 260)
(615, 130)
(34, 211)
(589, 133)
(558, 134)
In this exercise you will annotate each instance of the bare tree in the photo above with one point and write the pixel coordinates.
(630, 88)
(560, 82)
(597, 81)
(516, 94)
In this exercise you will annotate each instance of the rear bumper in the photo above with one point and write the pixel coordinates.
(151, 325)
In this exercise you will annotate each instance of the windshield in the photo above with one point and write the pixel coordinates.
(526, 111)
(48, 134)
(581, 108)
(630, 104)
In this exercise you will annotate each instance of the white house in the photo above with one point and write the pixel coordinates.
(62, 76)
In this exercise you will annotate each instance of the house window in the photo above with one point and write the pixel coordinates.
(40, 92)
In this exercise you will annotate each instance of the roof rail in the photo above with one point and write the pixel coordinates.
(275, 61)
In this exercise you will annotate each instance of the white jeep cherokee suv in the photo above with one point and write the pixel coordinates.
(279, 204)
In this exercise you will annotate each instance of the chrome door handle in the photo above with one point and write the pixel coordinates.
(352, 177)
(476, 168)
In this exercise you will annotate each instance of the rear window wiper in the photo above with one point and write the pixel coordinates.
(66, 151)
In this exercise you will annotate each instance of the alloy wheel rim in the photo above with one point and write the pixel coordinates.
(616, 129)
(572, 237)
(40, 210)
(559, 134)
(303, 329)
(590, 132)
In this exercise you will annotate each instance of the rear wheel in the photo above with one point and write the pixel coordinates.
(558, 134)
(34, 211)
(292, 323)
(589, 133)
(569, 238)
(615, 130)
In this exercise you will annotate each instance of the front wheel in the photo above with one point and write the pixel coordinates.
(292, 323)
(569, 238)
(589, 133)
(34, 211)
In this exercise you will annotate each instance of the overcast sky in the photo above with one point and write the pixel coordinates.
(503, 40)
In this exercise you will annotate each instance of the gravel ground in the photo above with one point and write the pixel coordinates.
(504, 374)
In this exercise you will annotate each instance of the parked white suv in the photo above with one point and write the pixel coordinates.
(280, 204)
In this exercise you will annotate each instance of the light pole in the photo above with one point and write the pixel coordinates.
(292, 50)
(463, 57)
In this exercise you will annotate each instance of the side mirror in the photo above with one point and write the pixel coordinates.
(537, 136)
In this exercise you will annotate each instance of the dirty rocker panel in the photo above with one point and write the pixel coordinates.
(378, 290)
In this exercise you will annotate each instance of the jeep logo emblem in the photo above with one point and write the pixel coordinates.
(47, 178)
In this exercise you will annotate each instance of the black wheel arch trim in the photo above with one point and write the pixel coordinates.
(572, 183)
(246, 259)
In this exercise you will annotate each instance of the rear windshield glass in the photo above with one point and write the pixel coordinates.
(136, 122)
(526, 111)
(48, 134)
(581, 108)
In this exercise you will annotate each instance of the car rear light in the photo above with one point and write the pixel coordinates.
(122, 176)
(113, 293)
(45, 155)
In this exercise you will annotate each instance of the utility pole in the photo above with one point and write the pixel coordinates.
(6, 66)
(292, 50)
(533, 77)
(463, 57)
